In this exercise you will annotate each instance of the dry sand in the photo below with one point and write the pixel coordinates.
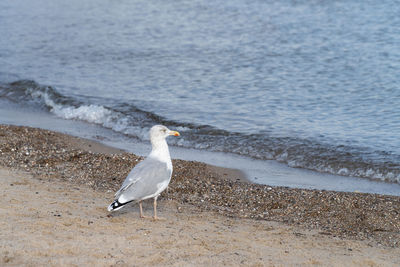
(56, 223)
(54, 213)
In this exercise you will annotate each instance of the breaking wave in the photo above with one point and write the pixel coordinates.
(132, 121)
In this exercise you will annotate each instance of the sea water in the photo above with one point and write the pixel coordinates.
(294, 88)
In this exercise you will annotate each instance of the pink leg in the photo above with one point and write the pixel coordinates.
(155, 217)
(141, 210)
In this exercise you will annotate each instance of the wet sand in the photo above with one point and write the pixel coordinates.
(55, 189)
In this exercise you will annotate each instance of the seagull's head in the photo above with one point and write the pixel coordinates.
(160, 132)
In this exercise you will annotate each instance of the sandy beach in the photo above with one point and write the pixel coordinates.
(55, 189)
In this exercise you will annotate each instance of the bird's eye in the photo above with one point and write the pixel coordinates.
(164, 130)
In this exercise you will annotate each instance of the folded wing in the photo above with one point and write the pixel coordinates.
(144, 181)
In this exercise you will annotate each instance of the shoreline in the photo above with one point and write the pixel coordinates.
(53, 156)
(267, 172)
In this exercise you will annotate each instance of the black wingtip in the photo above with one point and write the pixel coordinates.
(116, 205)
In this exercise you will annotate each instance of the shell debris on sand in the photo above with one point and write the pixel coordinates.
(347, 215)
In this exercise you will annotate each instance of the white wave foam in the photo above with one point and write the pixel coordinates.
(93, 114)
(343, 172)
(359, 172)
(90, 113)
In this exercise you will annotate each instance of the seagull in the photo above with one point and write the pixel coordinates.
(149, 177)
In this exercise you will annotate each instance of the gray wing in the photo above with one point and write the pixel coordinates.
(143, 180)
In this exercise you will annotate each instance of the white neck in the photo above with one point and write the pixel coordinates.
(160, 150)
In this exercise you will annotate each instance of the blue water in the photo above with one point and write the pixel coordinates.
(311, 84)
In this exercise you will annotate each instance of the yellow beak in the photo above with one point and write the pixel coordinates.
(174, 133)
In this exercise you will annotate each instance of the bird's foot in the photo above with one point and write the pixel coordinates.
(156, 218)
(145, 217)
